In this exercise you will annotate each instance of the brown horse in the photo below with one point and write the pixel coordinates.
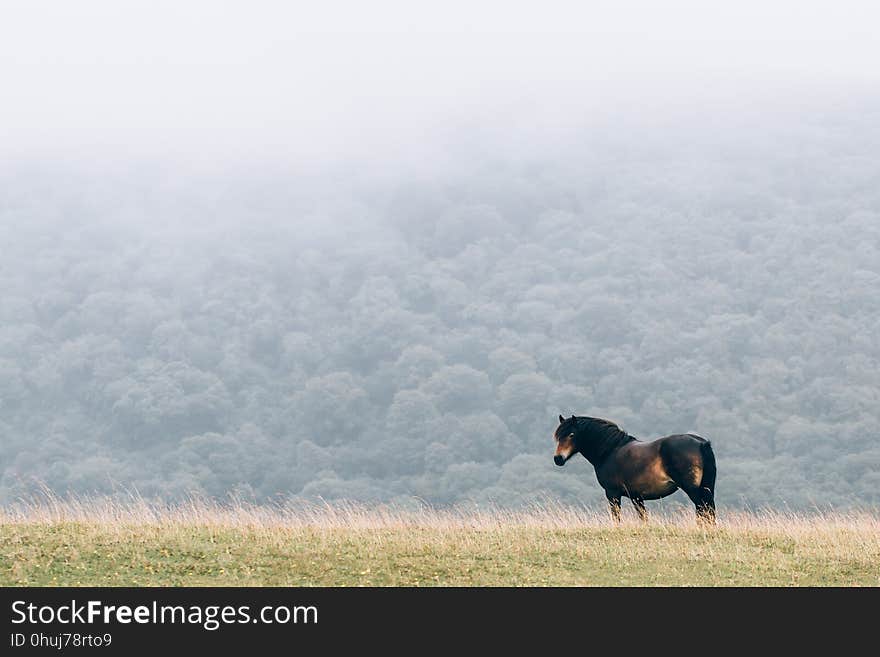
(628, 467)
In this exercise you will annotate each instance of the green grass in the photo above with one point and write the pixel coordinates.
(243, 546)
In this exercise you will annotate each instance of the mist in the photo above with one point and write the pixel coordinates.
(272, 252)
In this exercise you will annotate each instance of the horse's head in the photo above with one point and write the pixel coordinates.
(565, 440)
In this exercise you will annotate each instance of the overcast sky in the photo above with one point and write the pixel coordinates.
(218, 81)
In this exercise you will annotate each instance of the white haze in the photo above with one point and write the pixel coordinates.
(220, 83)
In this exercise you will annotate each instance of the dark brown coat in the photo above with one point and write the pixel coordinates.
(628, 467)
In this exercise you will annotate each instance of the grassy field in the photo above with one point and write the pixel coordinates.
(103, 543)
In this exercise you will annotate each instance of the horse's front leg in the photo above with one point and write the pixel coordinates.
(614, 506)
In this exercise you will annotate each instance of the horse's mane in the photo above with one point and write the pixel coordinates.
(596, 437)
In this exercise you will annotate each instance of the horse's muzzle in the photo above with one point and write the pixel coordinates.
(559, 459)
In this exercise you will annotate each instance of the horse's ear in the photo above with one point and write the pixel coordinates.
(561, 419)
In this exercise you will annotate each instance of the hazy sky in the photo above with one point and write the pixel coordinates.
(317, 81)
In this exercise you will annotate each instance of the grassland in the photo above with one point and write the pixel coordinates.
(94, 542)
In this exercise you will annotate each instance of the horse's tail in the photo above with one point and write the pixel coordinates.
(709, 471)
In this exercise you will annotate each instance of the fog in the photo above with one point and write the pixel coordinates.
(288, 81)
(267, 251)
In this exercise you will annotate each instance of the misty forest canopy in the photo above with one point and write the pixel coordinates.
(380, 336)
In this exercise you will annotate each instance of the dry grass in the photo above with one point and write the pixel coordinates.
(93, 541)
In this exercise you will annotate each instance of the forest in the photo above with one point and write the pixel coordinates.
(409, 335)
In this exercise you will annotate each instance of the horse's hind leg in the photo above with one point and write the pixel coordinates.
(639, 503)
(694, 473)
(704, 501)
(706, 510)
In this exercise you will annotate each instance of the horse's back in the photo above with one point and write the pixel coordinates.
(683, 439)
